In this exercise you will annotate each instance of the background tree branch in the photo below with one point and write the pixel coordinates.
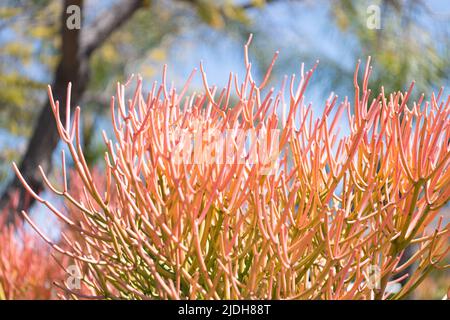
(107, 23)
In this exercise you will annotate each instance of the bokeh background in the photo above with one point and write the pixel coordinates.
(412, 43)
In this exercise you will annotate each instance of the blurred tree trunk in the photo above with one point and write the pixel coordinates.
(77, 46)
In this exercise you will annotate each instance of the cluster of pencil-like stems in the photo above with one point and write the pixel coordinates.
(205, 198)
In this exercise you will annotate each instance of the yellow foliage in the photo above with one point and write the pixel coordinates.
(18, 50)
(9, 12)
(210, 14)
(43, 31)
(147, 71)
(238, 14)
(258, 3)
(109, 53)
(342, 20)
(158, 54)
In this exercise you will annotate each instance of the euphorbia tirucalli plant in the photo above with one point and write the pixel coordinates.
(286, 208)
(27, 268)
